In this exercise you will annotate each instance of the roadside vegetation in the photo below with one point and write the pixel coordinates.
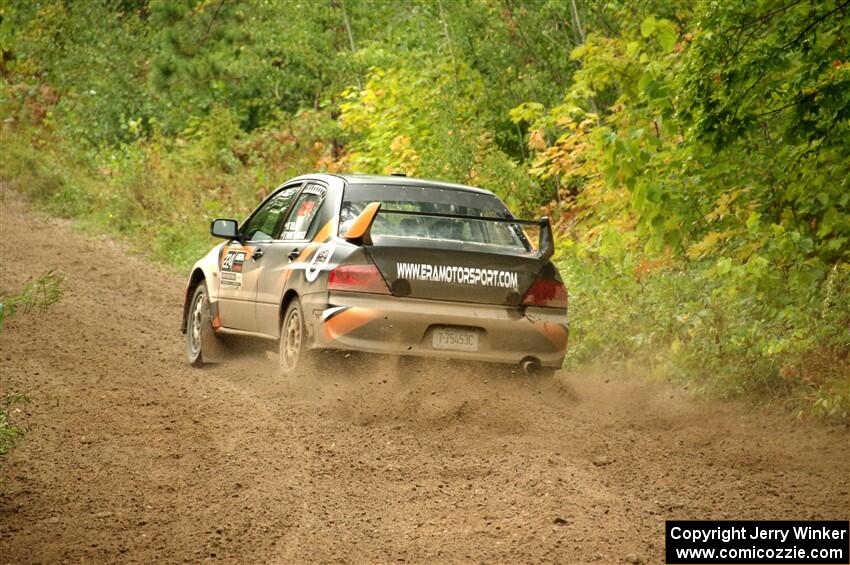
(9, 432)
(37, 295)
(694, 157)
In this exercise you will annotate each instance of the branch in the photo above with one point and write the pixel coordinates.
(800, 100)
(350, 38)
(813, 24)
(747, 93)
(212, 21)
(775, 110)
(767, 15)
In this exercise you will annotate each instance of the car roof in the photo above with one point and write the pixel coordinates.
(399, 180)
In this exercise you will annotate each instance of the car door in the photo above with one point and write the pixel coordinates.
(282, 263)
(241, 261)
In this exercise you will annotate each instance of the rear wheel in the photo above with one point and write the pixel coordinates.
(198, 326)
(295, 354)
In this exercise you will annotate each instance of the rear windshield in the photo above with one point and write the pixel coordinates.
(435, 201)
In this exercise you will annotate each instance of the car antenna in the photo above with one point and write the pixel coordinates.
(398, 174)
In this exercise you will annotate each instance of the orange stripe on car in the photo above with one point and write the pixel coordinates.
(321, 237)
(348, 321)
(556, 333)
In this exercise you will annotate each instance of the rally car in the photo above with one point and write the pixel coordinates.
(385, 265)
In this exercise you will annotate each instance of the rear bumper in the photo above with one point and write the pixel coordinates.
(404, 326)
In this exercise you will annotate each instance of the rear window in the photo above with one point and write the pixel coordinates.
(433, 200)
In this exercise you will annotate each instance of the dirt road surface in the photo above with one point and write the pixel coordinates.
(132, 456)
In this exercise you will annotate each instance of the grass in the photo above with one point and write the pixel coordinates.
(684, 326)
(37, 295)
(9, 432)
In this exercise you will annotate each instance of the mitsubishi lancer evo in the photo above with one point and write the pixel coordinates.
(381, 265)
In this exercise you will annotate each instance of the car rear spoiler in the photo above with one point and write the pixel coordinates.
(360, 230)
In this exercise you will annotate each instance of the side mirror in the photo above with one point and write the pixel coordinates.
(546, 243)
(225, 229)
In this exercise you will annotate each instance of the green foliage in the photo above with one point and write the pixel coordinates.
(160, 193)
(9, 432)
(76, 52)
(694, 157)
(37, 295)
(723, 162)
(424, 124)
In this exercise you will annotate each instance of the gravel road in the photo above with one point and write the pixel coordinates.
(132, 456)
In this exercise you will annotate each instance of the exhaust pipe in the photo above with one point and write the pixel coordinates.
(530, 366)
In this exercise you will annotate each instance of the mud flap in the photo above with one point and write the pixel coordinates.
(213, 346)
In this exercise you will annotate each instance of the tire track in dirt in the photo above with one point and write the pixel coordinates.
(132, 456)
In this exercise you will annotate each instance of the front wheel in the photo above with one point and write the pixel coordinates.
(199, 327)
(295, 354)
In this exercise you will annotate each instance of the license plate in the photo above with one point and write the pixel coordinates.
(454, 339)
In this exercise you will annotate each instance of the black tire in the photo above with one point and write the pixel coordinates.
(199, 330)
(296, 357)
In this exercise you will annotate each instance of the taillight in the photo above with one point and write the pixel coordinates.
(357, 278)
(546, 292)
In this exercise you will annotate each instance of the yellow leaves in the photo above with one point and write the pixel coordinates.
(568, 156)
(406, 159)
(723, 204)
(526, 112)
(537, 140)
(711, 239)
(746, 251)
(566, 122)
(729, 205)
(400, 143)
(587, 124)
